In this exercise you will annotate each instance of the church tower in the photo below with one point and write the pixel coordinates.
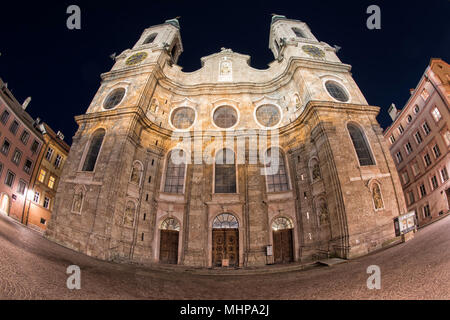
(125, 194)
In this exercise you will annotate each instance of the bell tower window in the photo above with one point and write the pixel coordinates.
(150, 38)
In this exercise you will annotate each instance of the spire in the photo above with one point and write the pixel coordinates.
(276, 17)
(174, 22)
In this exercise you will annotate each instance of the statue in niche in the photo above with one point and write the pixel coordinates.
(323, 213)
(77, 201)
(136, 173)
(316, 171)
(128, 219)
(376, 194)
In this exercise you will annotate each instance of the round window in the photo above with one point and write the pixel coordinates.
(409, 118)
(183, 117)
(416, 109)
(114, 98)
(268, 115)
(336, 91)
(225, 117)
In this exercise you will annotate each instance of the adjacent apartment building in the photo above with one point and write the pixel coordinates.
(419, 140)
(20, 145)
(45, 182)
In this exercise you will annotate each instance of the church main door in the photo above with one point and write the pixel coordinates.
(168, 250)
(225, 241)
(282, 240)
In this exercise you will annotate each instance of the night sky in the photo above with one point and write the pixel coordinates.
(60, 68)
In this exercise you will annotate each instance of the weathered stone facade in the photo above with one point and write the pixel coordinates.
(327, 198)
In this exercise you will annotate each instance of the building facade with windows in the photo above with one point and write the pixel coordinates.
(227, 165)
(44, 182)
(21, 144)
(419, 140)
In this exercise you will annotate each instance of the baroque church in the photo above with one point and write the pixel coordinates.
(228, 165)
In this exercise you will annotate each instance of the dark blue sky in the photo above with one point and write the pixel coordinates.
(61, 68)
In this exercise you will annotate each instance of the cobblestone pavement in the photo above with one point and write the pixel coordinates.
(32, 267)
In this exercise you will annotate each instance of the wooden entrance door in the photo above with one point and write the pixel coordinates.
(282, 246)
(225, 246)
(168, 252)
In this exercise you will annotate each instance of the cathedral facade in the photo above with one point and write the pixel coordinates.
(228, 165)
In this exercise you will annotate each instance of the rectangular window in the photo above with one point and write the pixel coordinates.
(5, 116)
(14, 126)
(427, 160)
(411, 197)
(408, 148)
(5, 147)
(21, 188)
(49, 154)
(423, 191)
(43, 221)
(424, 94)
(41, 177)
(24, 137)
(27, 166)
(436, 151)
(434, 182)
(57, 162)
(399, 157)
(426, 128)
(436, 114)
(34, 146)
(9, 180)
(392, 139)
(16, 157)
(36, 197)
(46, 203)
(418, 137)
(1, 168)
(426, 211)
(444, 174)
(51, 182)
(405, 177)
(400, 129)
(415, 169)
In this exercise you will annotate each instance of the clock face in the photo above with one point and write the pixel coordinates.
(313, 51)
(136, 58)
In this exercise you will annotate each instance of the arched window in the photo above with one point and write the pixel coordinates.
(94, 149)
(282, 223)
(176, 167)
(361, 147)
(150, 38)
(170, 224)
(276, 174)
(298, 33)
(225, 221)
(225, 172)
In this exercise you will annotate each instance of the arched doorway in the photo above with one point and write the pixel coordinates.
(4, 204)
(168, 249)
(283, 250)
(225, 241)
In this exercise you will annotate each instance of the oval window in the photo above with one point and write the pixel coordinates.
(183, 117)
(114, 98)
(268, 115)
(336, 91)
(225, 117)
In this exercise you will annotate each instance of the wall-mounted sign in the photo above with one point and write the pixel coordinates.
(269, 250)
(405, 223)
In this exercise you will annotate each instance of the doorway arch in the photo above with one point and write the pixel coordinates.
(4, 204)
(225, 241)
(169, 235)
(283, 240)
